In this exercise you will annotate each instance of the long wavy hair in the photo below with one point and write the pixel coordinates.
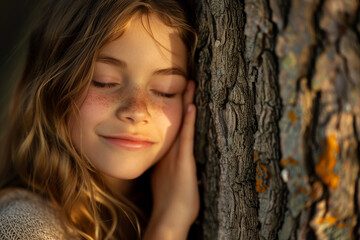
(37, 152)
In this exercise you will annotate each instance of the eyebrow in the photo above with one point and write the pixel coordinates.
(113, 61)
(121, 64)
(171, 71)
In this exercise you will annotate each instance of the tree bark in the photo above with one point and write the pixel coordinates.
(278, 100)
(226, 124)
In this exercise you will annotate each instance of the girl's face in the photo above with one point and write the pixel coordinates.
(133, 109)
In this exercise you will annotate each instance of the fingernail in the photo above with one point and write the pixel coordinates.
(190, 108)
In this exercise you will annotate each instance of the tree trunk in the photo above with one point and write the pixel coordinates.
(277, 132)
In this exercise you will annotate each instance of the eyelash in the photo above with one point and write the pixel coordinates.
(165, 95)
(104, 85)
(110, 85)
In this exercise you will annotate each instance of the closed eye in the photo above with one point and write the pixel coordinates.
(104, 85)
(166, 95)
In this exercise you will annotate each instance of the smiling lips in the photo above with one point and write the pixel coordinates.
(129, 143)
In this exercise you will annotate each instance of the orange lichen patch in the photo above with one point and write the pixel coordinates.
(289, 162)
(341, 225)
(261, 178)
(292, 116)
(300, 190)
(256, 156)
(317, 190)
(330, 220)
(327, 162)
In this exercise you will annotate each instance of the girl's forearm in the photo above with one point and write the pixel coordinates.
(161, 229)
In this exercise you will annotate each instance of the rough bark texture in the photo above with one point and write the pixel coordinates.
(279, 119)
(226, 124)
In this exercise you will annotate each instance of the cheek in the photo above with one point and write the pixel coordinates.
(98, 101)
(172, 117)
(92, 108)
(96, 107)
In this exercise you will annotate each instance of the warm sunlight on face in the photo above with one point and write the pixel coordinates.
(133, 109)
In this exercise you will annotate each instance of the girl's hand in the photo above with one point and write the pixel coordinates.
(174, 182)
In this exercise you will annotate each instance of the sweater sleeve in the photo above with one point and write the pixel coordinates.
(25, 216)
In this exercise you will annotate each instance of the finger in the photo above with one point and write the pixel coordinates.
(189, 93)
(187, 132)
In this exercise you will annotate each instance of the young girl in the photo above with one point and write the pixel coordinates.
(99, 142)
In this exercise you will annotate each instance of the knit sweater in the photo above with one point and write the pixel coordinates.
(26, 216)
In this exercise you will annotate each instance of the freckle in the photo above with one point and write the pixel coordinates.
(155, 107)
(105, 101)
(138, 100)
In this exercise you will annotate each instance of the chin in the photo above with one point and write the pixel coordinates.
(124, 175)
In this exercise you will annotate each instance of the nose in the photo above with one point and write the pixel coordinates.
(134, 109)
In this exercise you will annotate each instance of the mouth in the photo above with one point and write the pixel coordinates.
(129, 142)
